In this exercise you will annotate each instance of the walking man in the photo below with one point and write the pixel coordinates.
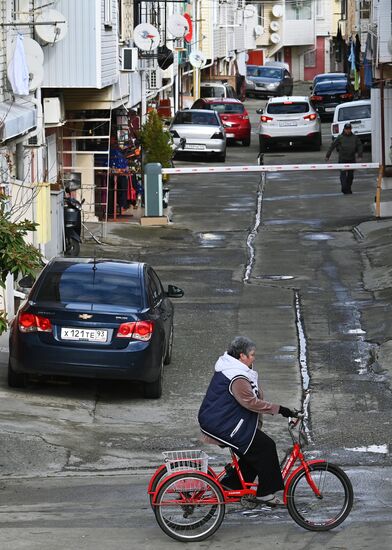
(348, 146)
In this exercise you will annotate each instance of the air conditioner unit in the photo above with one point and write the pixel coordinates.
(154, 78)
(129, 59)
(53, 111)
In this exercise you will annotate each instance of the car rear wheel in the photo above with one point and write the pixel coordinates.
(262, 145)
(15, 380)
(153, 390)
(221, 157)
(169, 348)
(246, 142)
(318, 143)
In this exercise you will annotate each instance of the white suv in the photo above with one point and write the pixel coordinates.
(289, 120)
(358, 114)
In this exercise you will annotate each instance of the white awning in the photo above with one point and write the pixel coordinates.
(16, 119)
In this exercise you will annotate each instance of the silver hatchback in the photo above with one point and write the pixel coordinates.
(202, 130)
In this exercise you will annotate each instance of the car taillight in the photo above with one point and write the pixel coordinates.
(174, 134)
(316, 98)
(245, 117)
(335, 128)
(265, 118)
(312, 116)
(28, 322)
(217, 135)
(138, 330)
(346, 96)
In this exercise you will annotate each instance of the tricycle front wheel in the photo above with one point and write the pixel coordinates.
(330, 508)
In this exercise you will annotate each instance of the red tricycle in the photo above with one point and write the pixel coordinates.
(189, 500)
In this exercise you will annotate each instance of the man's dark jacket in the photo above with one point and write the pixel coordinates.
(347, 146)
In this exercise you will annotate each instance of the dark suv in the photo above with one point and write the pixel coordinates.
(329, 93)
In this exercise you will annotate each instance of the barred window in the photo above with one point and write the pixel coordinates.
(310, 58)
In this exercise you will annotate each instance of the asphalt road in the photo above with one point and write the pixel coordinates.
(292, 263)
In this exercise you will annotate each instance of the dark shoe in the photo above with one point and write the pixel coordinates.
(230, 483)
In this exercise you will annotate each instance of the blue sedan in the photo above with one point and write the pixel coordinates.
(94, 318)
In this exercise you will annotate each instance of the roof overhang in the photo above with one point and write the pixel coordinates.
(16, 120)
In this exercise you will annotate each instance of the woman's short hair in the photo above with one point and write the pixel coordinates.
(240, 344)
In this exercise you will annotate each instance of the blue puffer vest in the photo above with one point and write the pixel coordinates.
(221, 416)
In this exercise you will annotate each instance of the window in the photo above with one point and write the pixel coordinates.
(228, 108)
(319, 7)
(288, 108)
(155, 287)
(351, 113)
(299, 9)
(103, 288)
(206, 118)
(310, 58)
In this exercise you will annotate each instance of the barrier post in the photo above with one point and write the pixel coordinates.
(153, 203)
(153, 189)
(378, 191)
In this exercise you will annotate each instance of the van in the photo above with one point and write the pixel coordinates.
(358, 114)
(217, 89)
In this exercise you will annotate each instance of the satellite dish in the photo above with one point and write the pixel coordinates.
(36, 73)
(277, 10)
(249, 11)
(197, 59)
(275, 38)
(177, 25)
(258, 30)
(189, 34)
(274, 26)
(31, 48)
(56, 28)
(146, 37)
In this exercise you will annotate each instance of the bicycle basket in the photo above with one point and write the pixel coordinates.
(192, 459)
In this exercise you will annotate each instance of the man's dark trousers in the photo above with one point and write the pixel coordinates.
(346, 180)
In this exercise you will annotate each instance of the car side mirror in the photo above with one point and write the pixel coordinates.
(259, 111)
(27, 281)
(174, 292)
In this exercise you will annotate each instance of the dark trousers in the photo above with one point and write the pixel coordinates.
(261, 460)
(346, 180)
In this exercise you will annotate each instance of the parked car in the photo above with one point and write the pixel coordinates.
(289, 120)
(94, 318)
(268, 80)
(203, 131)
(217, 89)
(329, 93)
(327, 76)
(358, 113)
(233, 115)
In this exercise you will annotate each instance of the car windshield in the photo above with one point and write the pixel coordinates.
(288, 108)
(227, 108)
(97, 287)
(204, 118)
(353, 112)
(267, 72)
(212, 91)
(331, 86)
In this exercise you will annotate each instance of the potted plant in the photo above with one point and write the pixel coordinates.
(156, 141)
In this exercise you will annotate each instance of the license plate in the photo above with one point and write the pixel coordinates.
(230, 135)
(195, 147)
(84, 334)
(287, 123)
(329, 109)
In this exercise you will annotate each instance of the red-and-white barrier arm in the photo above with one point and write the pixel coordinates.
(270, 168)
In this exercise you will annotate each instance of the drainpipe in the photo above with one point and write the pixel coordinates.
(382, 117)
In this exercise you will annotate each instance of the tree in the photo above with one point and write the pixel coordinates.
(156, 141)
(16, 256)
